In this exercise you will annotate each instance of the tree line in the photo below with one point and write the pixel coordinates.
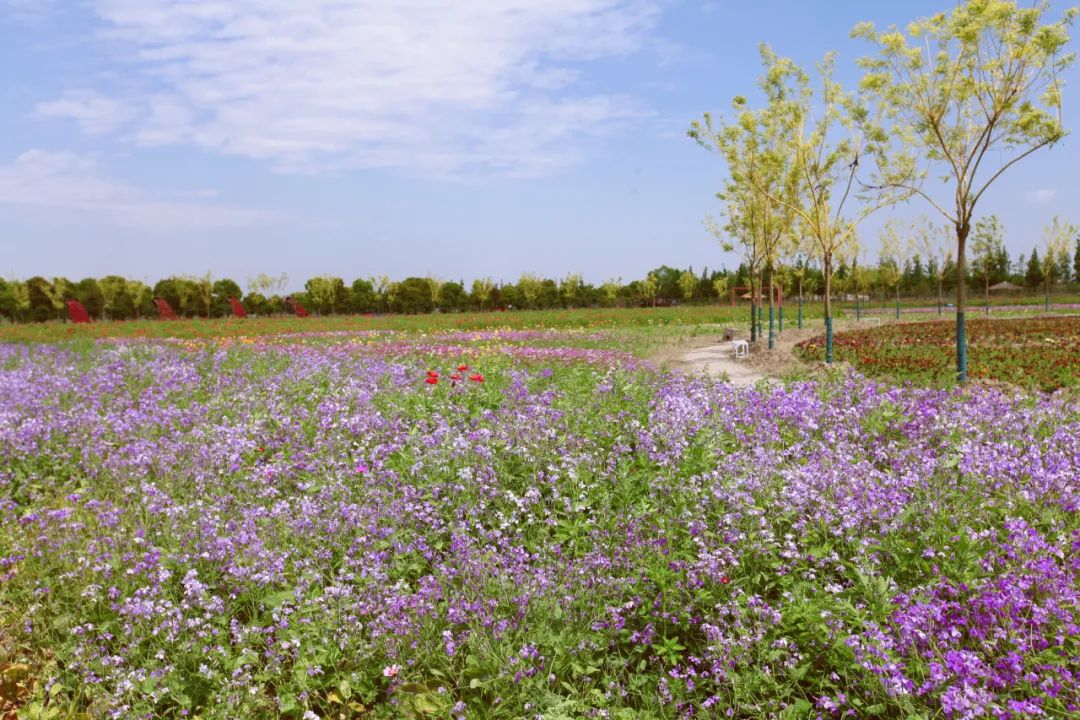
(914, 260)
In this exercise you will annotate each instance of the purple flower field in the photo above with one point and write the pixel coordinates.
(315, 530)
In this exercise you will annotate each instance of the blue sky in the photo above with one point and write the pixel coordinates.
(461, 140)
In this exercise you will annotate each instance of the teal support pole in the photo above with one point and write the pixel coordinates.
(800, 312)
(760, 321)
(753, 321)
(828, 340)
(897, 309)
(858, 308)
(781, 325)
(961, 349)
(772, 333)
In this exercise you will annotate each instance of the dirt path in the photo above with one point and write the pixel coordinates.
(712, 356)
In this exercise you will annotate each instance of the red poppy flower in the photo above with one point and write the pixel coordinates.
(455, 376)
(432, 379)
(477, 377)
(725, 580)
(463, 367)
(432, 374)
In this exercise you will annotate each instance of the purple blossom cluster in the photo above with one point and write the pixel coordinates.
(311, 530)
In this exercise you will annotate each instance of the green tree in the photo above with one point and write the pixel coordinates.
(529, 285)
(39, 295)
(1076, 261)
(221, 291)
(435, 287)
(649, 288)
(142, 298)
(897, 248)
(688, 284)
(88, 292)
(413, 296)
(570, 289)
(118, 303)
(720, 287)
(481, 291)
(8, 303)
(1033, 277)
(986, 246)
(327, 294)
(62, 291)
(978, 82)
(1056, 238)
(609, 291)
(362, 297)
(454, 298)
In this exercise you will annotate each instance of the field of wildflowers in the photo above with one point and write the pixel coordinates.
(485, 525)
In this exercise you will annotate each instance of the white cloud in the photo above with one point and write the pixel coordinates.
(1042, 196)
(75, 183)
(443, 87)
(94, 113)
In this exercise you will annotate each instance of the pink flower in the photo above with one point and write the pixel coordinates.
(391, 671)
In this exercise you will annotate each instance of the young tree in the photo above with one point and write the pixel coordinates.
(571, 288)
(720, 286)
(530, 285)
(688, 283)
(610, 290)
(761, 193)
(819, 157)
(974, 91)
(933, 241)
(435, 287)
(649, 286)
(1056, 238)
(481, 291)
(897, 247)
(986, 246)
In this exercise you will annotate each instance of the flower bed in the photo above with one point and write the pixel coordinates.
(1030, 352)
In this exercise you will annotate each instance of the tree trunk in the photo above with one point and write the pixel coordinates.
(986, 299)
(897, 301)
(826, 266)
(962, 230)
(940, 280)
